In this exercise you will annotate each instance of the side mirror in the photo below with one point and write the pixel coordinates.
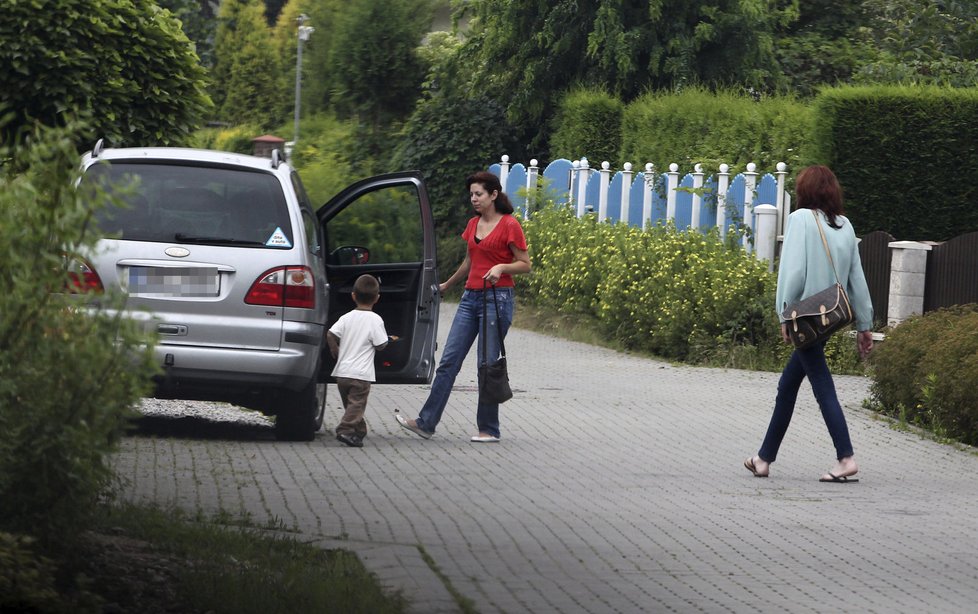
(350, 255)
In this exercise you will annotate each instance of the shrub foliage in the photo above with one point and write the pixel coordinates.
(665, 291)
(69, 369)
(925, 372)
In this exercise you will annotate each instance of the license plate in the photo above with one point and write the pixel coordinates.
(174, 281)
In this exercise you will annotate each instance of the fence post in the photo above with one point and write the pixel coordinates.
(672, 182)
(647, 195)
(908, 274)
(782, 214)
(504, 170)
(750, 182)
(575, 169)
(583, 175)
(723, 184)
(626, 192)
(603, 191)
(766, 237)
(532, 175)
(694, 218)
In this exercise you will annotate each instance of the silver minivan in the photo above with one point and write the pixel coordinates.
(225, 258)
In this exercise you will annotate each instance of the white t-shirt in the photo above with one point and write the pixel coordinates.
(360, 332)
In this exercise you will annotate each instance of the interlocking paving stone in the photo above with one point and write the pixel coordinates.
(617, 487)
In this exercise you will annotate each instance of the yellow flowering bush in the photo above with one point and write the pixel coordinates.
(667, 291)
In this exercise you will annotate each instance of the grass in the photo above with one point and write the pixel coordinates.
(221, 568)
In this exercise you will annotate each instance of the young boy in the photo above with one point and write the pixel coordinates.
(353, 341)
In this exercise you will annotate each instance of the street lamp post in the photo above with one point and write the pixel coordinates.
(304, 32)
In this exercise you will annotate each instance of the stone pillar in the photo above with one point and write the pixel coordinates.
(908, 272)
(766, 234)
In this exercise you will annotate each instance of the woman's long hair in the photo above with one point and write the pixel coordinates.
(816, 187)
(490, 182)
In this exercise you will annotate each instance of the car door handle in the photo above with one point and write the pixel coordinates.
(172, 329)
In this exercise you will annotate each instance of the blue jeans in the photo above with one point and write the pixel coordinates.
(466, 327)
(809, 362)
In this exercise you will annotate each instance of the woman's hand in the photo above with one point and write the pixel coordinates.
(784, 333)
(864, 342)
(493, 274)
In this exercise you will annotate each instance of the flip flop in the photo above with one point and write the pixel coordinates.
(749, 463)
(839, 479)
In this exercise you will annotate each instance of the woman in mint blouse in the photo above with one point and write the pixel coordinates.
(804, 270)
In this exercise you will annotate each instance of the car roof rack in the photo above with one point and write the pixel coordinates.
(276, 158)
(99, 146)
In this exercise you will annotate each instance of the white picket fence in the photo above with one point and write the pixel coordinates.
(749, 200)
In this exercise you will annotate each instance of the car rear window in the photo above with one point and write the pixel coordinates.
(179, 203)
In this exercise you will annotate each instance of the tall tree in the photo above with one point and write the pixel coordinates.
(256, 89)
(127, 62)
(375, 61)
(526, 52)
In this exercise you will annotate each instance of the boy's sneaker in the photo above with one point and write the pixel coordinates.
(413, 428)
(351, 440)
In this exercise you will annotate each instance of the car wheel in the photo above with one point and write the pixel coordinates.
(300, 414)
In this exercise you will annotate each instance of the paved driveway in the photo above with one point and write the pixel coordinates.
(618, 487)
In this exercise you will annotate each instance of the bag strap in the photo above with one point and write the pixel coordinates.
(485, 324)
(825, 244)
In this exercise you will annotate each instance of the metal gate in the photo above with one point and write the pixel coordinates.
(874, 251)
(952, 273)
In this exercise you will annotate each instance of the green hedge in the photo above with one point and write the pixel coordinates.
(588, 123)
(906, 157)
(697, 126)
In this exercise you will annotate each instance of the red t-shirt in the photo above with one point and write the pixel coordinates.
(493, 249)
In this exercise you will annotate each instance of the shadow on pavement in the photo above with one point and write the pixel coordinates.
(188, 427)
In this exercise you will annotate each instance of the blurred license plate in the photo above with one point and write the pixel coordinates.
(166, 281)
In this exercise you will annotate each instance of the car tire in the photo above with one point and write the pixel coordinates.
(300, 414)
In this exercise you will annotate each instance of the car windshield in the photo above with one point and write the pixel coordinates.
(176, 203)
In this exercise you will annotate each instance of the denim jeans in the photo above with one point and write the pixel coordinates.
(809, 362)
(466, 327)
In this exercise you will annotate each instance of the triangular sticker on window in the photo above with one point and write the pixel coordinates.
(278, 239)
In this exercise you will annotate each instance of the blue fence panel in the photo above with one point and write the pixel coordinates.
(614, 197)
(557, 176)
(767, 191)
(496, 169)
(684, 204)
(592, 192)
(515, 183)
(636, 199)
(659, 204)
(735, 203)
(708, 206)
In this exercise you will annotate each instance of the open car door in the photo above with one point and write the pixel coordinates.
(383, 226)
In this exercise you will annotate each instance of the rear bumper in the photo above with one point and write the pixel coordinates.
(225, 374)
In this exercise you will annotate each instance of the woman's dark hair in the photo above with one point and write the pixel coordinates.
(491, 183)
(816, 187)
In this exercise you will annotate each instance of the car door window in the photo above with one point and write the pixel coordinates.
(387, 222)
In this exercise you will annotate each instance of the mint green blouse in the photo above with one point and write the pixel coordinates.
(804, 268)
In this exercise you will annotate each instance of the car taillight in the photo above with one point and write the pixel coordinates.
(284, 287)
(82, 278)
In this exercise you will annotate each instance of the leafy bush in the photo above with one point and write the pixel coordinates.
(663, 291)
(126, 61)
(925, 372)
(69, 370)
(26, 579)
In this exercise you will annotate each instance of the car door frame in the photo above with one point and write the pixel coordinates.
(420, 365)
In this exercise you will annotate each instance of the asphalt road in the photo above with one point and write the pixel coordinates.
(617, 487)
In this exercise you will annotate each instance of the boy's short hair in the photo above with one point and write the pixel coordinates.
(366, 289)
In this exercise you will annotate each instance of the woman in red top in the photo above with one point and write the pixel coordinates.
(496, 251)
